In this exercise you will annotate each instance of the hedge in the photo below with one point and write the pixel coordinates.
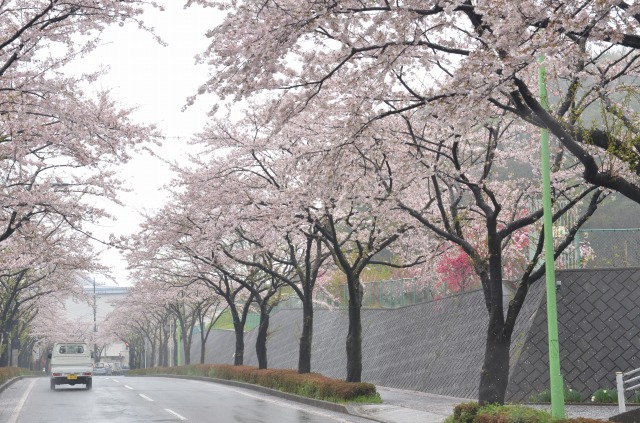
(312, 385)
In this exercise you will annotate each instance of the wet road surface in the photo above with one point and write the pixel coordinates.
(139, 399)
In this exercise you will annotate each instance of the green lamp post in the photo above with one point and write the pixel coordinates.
(557, 394)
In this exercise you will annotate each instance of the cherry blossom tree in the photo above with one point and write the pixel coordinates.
(299, 259)
(192, 306)
(390, 58)
(58, 142)
(37, 267)
(142, 315)
(300, 179)
(263, 287)
(473, 186)
(58, 146)
(291, 250)
(439, 67)
(167, 248)
(207, 313)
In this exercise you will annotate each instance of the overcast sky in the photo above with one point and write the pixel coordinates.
(157, 79)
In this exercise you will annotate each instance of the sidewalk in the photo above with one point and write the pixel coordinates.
(402, 406)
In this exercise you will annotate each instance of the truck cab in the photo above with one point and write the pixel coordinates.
(71, 364)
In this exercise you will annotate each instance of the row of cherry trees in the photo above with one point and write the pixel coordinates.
(348, 134)
(58, 147)
(153, 313)
(366, 132)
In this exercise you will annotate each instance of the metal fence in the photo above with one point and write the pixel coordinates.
(388, 294)
(611, 247)
(608, 248)
(601, 248)
(380, 294)
(621, 380)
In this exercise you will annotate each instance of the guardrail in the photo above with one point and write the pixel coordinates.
(620, 382)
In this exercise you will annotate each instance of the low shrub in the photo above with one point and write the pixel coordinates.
(465, 412)
(636, 397)
(605, 396)
(311, 385)
(7, 373)
(471, 412)
(511, 414)
(570, 395)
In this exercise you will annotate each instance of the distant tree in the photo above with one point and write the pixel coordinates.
(57, 147)
(378, 76)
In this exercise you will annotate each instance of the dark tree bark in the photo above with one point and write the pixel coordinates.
(238, 327)
(494, 376)
(306, 338)
(6, 347)
(261, 339)
(298, 268)
(204, 333)
(354, 339)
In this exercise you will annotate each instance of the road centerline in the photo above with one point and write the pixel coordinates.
(146, 397)
(178, 416)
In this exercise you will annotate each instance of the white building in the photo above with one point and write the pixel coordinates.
(104, 299)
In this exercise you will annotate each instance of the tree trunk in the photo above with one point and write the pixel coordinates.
(5, 357)
(203, 341)
(494, 376)
(354, 344)
(153, 354)
(187, 353)
(304, 357)
(238, 357)
(261, 339)
(132, 356)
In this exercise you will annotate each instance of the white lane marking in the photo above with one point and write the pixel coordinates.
(18, 409)
(128, 387)
(281, 403)
(175, 414)
(115, 380)
(146, 397)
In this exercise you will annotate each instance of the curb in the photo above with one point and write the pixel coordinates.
(332, 406)
(14, 380)
(10, 382)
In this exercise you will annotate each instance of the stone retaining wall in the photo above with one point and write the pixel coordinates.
(438, 347)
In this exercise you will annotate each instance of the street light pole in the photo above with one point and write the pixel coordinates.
(95, 323)
(95, 319)
(557, 394)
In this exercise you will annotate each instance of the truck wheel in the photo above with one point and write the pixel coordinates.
(89, 383)
(53, 385)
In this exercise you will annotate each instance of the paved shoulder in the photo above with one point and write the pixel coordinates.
(384, 413)
(402, 406)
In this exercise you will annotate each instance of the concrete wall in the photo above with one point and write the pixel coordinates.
(438, 347)
(435, 347)
(599, 331)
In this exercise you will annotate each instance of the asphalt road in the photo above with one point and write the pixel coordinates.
(138, 399)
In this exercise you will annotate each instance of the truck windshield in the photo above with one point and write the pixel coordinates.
(71, 349)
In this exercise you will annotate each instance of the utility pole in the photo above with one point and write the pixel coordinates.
(95, 320)
(557, 394)
(170, 344)
(95, 323)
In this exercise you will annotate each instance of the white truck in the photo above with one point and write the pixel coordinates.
(71, 364)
